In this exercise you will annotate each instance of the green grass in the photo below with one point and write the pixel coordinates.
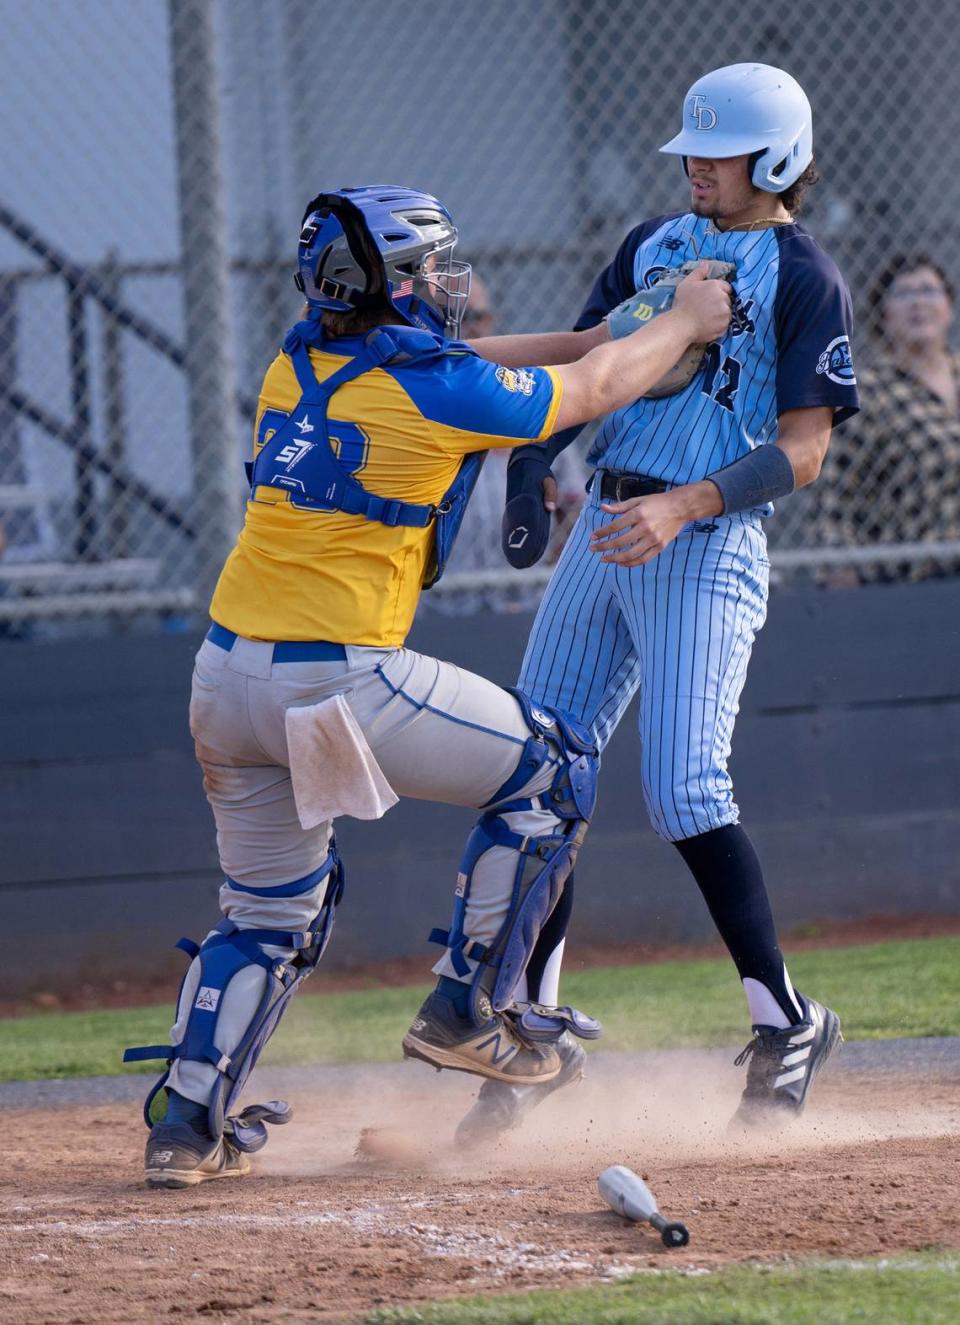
(881, 990)
(919, 1290)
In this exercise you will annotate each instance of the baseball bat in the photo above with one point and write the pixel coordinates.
(628, 1194)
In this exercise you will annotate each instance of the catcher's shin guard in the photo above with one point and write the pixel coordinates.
(543, 863)
(225, 953)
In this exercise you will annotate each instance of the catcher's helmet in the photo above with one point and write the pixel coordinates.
(362, 247)
(750, 109)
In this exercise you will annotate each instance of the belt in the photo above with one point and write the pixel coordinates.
(620, 487)
(286, 650)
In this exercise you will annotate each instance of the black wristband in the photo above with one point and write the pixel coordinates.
(763, 475)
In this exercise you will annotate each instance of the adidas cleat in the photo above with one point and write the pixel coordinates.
(178, 1156)
(500, 1107)
(489, 1048)
(784, 1065)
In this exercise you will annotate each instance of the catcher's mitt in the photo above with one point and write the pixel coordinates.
(640, 309)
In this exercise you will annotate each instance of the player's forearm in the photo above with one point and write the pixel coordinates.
(618, 372)
(538, 347)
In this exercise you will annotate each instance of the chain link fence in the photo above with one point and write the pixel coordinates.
(147, 235)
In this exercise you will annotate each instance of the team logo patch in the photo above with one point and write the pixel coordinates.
(207, 999)
(516, 379)
(652, 275)
(836, 362)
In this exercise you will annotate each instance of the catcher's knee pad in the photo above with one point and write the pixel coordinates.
(223, 955)
(543, 862)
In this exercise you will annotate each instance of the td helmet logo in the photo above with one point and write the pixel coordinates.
(705, 116)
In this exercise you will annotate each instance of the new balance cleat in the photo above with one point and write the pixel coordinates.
(178, 1156)
(784, 1065)
(488, 1048)
(500, 1108)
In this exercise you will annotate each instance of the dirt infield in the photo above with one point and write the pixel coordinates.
(317, 1235)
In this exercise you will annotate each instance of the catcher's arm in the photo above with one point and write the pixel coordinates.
(615, 373)
(551, 347)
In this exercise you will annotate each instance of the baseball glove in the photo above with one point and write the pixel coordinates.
(640, 310)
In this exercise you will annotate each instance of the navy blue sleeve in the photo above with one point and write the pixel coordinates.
(616, 283)
(813, 318)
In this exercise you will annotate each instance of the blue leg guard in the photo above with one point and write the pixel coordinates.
(543, 865)
(226, 952)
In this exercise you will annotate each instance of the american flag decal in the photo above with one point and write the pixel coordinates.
(404, 288)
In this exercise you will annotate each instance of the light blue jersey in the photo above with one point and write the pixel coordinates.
(680, 628)
(791, 308)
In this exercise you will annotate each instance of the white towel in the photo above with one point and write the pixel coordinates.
(332, 767)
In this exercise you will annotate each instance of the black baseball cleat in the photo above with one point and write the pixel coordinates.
(784, 1065)
(490, 1047)
(499, 1107)
(178, 1156)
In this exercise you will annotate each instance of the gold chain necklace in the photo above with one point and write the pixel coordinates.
(761, 223)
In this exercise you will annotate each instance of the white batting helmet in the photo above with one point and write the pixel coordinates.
(749, 109)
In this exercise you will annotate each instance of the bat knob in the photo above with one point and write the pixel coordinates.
(674, 1235)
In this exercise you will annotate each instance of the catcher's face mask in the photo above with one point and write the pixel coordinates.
(439, 280)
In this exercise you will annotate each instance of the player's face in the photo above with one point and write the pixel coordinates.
(917, 309)
(721, 188)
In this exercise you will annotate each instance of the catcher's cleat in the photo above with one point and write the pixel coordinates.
(499, 1108)
(488, 1048)
(178, 1156)
(784, 1064)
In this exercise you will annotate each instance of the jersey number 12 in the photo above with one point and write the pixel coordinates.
(721, 380)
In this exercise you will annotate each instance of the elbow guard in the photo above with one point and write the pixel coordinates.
(525, 529)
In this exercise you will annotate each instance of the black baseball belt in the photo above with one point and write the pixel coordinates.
(621, 487)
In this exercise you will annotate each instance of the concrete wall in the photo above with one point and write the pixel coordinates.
(846, 761)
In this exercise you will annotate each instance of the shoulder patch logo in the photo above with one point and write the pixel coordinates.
(516, 379)
(836, 362)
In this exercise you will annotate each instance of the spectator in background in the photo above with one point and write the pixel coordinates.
(893, 474)
(478, 547)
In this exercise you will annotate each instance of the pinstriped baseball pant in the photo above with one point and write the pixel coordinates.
(680, 630)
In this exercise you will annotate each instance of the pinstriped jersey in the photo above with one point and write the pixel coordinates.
(787, 347)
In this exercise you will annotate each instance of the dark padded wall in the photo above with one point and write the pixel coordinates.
(846, 763)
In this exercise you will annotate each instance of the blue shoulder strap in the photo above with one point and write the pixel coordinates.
(308, 468)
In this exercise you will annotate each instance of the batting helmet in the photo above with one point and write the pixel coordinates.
(749, 109)
(365, 246)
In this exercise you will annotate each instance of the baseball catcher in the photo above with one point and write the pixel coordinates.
(372, 425)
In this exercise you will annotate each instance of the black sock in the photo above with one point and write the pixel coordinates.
(728, 873)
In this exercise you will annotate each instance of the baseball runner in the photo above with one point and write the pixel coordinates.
(372, 425)
(662, 586)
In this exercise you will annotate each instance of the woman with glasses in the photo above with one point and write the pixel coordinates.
(894, 472)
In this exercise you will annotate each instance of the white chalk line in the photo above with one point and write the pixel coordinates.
(497, 1253)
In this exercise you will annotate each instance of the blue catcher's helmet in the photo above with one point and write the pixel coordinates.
(749, 109)
(363, 247)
